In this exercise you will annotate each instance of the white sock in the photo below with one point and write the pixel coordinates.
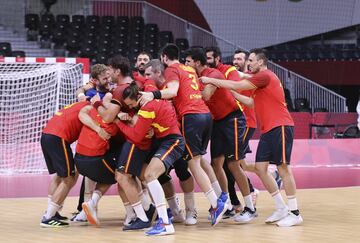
(216, 186)
(279, 202)
(211, 196)
(139, 210)
(51, 210)
(248, 202)
(158, 195)
(49, 198)
(174, 204)
(144, 201)
(292, 202)
(189, 201)
(95, 198)
(129, 210)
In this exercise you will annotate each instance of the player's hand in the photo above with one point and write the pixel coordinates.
(95, 98)
(150, 133)
(82, 97)
(124, 116)
(103, 134)
(145, 98)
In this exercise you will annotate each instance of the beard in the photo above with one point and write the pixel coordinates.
(211, 64)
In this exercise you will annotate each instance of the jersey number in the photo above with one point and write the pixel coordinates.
(194, 85)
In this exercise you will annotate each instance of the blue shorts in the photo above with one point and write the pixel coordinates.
(196, 130)
(98, 168)
(227, 137)
(58, 155)
(275, 146)
(132, 159)
(169, 149)
(249, 132)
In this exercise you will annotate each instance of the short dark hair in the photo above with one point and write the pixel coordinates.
(242, 51)
(171, 51)
(122, 63)
(144, 53)
(197, 54)
(131, 92)
(216, 51)
(260, 54)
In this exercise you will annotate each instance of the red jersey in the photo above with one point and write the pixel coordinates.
(159, 114)
(65, 123)
(189, 99)
(269, 98)
(249, 112)
(90, 143)
(230, 72)
(221, 102)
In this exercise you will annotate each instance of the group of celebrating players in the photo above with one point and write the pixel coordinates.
(133, 128)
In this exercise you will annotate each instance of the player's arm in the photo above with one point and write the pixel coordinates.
(109, 113)
(229, 84)
(137, 132)
(89, 122)
(243, 99)
(168, 93)
(208, 91)
(80, 92)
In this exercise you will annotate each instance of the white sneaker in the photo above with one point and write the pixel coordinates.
(277, 215)
(79, 218)
(290, 220)
(178, 217)
(246, 216)
(254, 196)
(91, 214)
(129, 219)
(191, 217)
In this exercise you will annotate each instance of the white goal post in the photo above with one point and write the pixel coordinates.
(31, 91)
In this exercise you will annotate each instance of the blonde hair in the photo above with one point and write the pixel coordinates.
(98, 69)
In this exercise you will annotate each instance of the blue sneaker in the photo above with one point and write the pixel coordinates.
(151, 213)
(138, 224)
(224, 196)
(217, 213)
(161, 229)
(169, 214)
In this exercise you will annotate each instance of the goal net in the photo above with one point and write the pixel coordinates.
(30, 93)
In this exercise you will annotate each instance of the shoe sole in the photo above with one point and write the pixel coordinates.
(90, 218)
(53, 226)
(162, 233)
(275, 221)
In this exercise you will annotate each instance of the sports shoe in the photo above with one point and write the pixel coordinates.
(178, 217)
(290, 220)
(238, 208)
(277, 178)
(277, 215)
(79, 218)
(218, 212)
(246, 215)
(60, 217)
(151, 213)
(137, 224)
(129, 219)
(53, 223)
(169, 214)
(191, 217)
(91, 214)
(224, 196)
(254, 196)
(161, 229)
(229, 213)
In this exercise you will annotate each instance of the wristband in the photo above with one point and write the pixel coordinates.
(97, 104)
(81, 95)
(157, 94)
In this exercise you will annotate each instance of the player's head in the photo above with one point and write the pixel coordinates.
(169, 52)
(100, 74)
(119, 67)
(195, 57)
(141, 60)
(240, 59)
(257, 60)
(154, 70)
(213, 56)
(131, 95)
